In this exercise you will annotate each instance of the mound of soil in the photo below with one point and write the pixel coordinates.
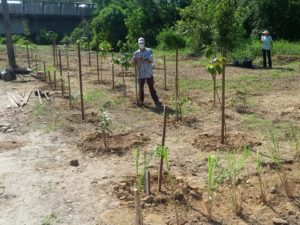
(127, 74)
(10, 145)
(287, 58)
(92, 117)
(211, 141)
(116, 143)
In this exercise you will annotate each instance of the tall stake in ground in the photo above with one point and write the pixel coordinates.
(223, 100)
(176, 86)
(165, 74)
(67, 54)
(53, 53)
(163, 144)
(28, 57)
(61, 75)
(136, 84)
(45, 72)
(69, 88)
(80, 81)
(113, 72)
(97, 58)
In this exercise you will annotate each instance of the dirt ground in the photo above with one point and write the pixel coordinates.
(39, 186)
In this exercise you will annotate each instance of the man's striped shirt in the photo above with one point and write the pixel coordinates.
(144, 68)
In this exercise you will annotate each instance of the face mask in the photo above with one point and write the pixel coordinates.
(142, 46)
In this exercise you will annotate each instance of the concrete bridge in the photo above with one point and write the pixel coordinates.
(56, 16)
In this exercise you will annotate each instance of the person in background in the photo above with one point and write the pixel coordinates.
(267, 44)
(143, 59)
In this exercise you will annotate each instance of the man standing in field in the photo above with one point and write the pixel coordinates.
(267, 44)
(143, 59)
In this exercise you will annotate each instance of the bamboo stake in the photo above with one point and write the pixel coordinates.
(89, 54)
(176, 86)
(55, 80)
(97, 58)
(124, 87)
(28, 57)
(69, 88)
(67, 54)
(49, 80)
(138, 219)
(136, 84)
(45, 72)
(101, 68)
(223, 101)
(147, 182)
(165, 74)
(163, 144)
(80, 82)
(113, 73)
(36, 66)
(61, 75)
(53, 52)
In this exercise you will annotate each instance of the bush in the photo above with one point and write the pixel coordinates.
(170, 39)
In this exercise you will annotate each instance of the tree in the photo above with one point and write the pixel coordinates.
(9, 42)
(109, 24)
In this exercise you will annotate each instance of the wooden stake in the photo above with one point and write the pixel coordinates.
(113, 73)
(176, 86)
(49, 80)
(80, 82)
(148, 182)
(67, 54)
(36, 66)
(45, 72)
(61, 75)
(163, 144)
(101, 68)
(136, 84)
(89, 54)
(165, 74)
(223, 101)
(124, 87)
(69, 88)
(53, 49)
(28, 57)
(97, 58)
(215, 89)
(138, 218)
(55, 80)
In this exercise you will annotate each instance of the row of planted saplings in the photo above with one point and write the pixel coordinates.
(219, 172)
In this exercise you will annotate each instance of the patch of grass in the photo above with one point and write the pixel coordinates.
(253, 122)
(38, 109)
(52, 126)
(195, 84)
(49, 219)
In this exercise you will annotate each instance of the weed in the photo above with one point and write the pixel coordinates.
(277, 160)
(214, 178)
(181, 105)
(49, 219)
(232, 167)
(258, 166)
(38, 110)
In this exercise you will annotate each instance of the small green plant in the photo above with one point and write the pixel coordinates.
(239, 100)
(215, 177)
(105, 48)
(49, 219)
(233, 166)
(104, 128)
(180, 106)
(141, 167)
(258, 167)
(277, 161)
(214, 68)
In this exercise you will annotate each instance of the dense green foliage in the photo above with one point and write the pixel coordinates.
(179, 23)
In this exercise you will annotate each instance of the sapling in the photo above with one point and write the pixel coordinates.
(277, 161)
(104, 127)
(293, 136)
(258, 167)
(162, 151)
(233, 166)
(180, 103)
(215, 177)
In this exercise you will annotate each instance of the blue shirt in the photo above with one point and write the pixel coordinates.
(144, 65)
(266, 42)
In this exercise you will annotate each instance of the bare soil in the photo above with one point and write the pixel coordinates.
(38, 185)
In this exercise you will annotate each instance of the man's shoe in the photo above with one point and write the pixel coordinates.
(159, 105)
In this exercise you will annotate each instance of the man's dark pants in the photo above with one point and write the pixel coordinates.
(150, 82)
(265, 54)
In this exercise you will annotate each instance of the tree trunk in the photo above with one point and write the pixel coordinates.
(9, 42)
